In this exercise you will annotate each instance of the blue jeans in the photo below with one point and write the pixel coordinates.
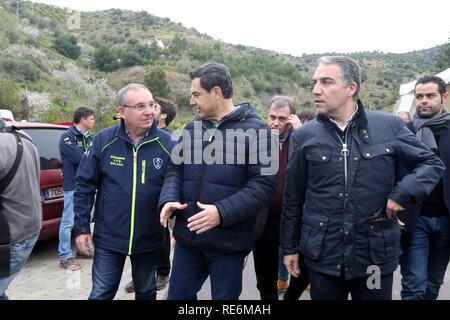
(428, 259)
(192, 265)
(65, 228)
(20, 251)
(107, 271)
(282, 271)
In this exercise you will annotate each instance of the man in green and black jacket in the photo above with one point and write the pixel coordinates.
(126, 166)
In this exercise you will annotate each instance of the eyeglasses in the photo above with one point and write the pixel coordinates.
(141, 107)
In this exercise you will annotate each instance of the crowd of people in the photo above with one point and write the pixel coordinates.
(341, 197)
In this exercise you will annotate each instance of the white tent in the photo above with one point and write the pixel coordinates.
(406, 101)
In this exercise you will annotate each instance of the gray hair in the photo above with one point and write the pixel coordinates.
(351, 71)
(121, 94)
(282, 101)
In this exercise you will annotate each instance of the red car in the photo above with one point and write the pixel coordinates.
(46, 137)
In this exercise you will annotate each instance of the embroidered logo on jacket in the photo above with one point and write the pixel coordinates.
(116, 161)
(158, 162)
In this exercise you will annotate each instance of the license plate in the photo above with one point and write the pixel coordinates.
(53, 193)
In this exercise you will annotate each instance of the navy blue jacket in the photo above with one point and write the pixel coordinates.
(343, 228)
(128, 182)
(72, 146)
(238, 190)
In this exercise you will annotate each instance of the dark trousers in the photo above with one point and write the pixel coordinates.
(192, 265)
(299, 284)
(164, 256)
(265, 258)
(107, 269)
(326, 287)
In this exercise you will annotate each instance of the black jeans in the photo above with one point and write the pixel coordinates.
(164, 256)
(265, 257)
(297, 285)
(326, 287)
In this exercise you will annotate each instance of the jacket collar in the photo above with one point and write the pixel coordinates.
(359, 121)
(242, 112)
(152, 133)
(360, 118)
(75, 130)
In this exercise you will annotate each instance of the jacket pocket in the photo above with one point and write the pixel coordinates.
(376, 150)
(312, 235)
(318, 155)
(384, 241)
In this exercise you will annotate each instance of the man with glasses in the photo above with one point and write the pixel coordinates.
(126, 166)
(164, 114)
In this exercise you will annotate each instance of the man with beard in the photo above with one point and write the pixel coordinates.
(429, 252)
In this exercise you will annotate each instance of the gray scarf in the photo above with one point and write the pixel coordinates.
(426, 128)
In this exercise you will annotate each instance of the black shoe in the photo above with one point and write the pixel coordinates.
(129, 288)
(79, 255)
(161, 282)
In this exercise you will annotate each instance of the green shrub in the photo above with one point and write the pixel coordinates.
(130, 59)
(20, 69)
(9, 97)
(105, 59)
(67, 46)
(157, 83)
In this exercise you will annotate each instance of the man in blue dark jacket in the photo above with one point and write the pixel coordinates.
(429, 250)
(126, 166)
(74, 143)
(341, 189)
(217, 183)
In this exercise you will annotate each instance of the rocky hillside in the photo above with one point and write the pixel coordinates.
(53, 60)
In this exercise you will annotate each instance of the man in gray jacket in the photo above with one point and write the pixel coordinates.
(20, 218)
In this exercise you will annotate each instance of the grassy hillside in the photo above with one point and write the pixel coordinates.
(58, 67)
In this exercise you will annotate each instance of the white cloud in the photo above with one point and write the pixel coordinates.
(298, 27)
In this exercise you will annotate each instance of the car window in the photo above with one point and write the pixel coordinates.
(47, 142)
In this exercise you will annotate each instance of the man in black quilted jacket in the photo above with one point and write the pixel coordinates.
(222, 174)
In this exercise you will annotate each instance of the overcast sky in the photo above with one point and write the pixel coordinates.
(296, 27)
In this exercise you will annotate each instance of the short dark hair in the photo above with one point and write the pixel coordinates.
(82, 113)
(214, 75)
(167, 107)
(283, 101)
(306, 115)
(427, 79)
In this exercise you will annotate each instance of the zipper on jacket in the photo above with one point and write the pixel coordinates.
(200, 181)
(85, 144)
(345, 153)
(198, 192)
(133, 195)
